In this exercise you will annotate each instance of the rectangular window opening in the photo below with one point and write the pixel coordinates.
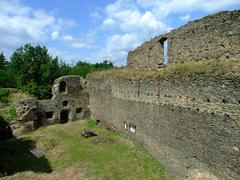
(165, 51)
(65, 103)
(79, 110)
(164, 43)
(132, 127)
(49, 114)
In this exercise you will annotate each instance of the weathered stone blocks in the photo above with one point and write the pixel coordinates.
(211, 38)
(186, 126)
(70, 102)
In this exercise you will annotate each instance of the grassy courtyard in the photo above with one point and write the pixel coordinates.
(59, 151)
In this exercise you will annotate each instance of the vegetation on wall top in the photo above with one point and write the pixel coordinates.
(192, 68)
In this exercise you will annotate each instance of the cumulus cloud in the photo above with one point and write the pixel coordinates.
(109, 22)
(124, 25)
(65, 55)
(20, 24)
(55, 35)
(135, 27)
(144, 19)
(165, 8)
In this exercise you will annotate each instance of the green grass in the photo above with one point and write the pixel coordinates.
(4, 95)
(106, 156)
(191, 68)
(12, 112)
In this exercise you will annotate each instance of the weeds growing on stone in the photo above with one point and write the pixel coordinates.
(189, 68)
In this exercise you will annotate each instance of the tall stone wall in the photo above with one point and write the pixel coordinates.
(185, 122)
(210, 38)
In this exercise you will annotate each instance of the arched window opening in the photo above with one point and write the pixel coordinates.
(62, 87)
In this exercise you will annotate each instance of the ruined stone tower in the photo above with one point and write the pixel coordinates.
(213, 37)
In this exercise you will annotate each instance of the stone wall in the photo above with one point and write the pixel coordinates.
(186, 122)
(213, 37)
(74, 100)
(70, 102)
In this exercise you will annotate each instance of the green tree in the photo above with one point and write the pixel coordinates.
(8, 77)
(7, 74)
(64, 68)
(2, 60)
(36, 69)
(83, 68)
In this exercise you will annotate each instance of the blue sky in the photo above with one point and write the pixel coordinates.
(95, 30)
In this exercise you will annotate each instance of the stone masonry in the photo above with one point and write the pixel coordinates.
(70, 102)
(213, 37)
(184, 125)
(187, 121)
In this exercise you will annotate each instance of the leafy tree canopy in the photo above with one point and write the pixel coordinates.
(33, 70)
(36, 69)
(2, 60)
(83, 68)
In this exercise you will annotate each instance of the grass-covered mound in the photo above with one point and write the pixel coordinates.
(61, 150)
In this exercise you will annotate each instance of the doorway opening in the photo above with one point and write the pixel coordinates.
(64, 115)
(164, 43)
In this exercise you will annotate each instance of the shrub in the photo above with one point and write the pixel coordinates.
(13, 112)
(4, 94)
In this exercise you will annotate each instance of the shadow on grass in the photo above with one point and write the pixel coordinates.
(16, 154)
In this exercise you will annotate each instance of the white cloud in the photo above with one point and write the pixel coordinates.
(79, 45)
(145, 19)
(185, 17)
(68, 38)
(21, 24)
(95, 15)
(68, 57)
(135, 27)
(123, 42)
(84, 40)
(108, 22)
(55, 35)
(164, 8)
(125, 24)
(13, 8)
(117, 47)
(146, 3)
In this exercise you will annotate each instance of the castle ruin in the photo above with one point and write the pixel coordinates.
(70, 102)
(186, 121)
(213, 37)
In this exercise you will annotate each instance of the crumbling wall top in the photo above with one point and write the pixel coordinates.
(213, 37)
